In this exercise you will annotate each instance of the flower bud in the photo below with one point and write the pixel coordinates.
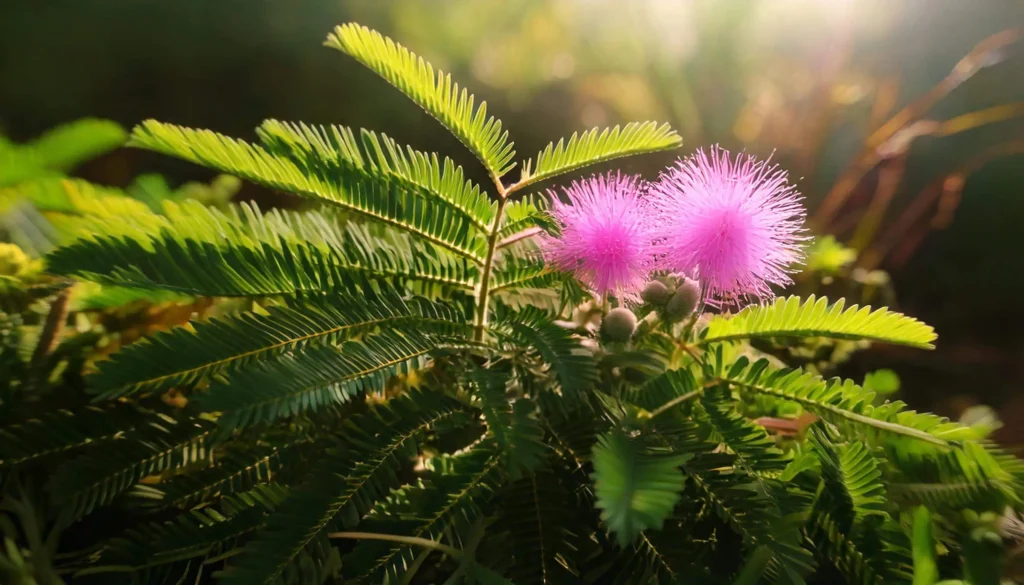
(618, 325)
(684, 301)
(656, 293)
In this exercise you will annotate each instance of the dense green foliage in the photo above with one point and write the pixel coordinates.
(408, 395)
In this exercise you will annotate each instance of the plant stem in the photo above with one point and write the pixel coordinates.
(410, 540)
(223, 556)
(483, 292)
(51, 328)
(674, 402)
(520, 236)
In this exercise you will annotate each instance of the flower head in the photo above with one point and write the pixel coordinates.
(606, 235)
(735, 224)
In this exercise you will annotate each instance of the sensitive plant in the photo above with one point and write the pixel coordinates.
(413, 395)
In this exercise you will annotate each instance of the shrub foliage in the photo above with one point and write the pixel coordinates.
(405, 397)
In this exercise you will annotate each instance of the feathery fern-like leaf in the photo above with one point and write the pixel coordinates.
(61, 431)
(512, 423)
(197, 533)
(59, 149)
(309, 380)
(198, 250)
(335, 182)
(861, 566)
(853, 479)
(514, 272)
(97, 476)
(850, 522)
(793, 317)
(636, 488)
(532, 329)
(445, 508)
(976, 475)
(444, 183)
(44, 213)
(753, 516)
(596, 146)
(527, 213)
(186, 355)
(843, 403)
(238, 470)
(451, 105)
(345, 485)
(536, 511)
(754, 450)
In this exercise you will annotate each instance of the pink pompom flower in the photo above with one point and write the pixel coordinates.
(606, 235)
(735, 224)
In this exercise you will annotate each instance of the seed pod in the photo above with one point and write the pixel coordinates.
(618, 325)
(656, 293)
(684, 301)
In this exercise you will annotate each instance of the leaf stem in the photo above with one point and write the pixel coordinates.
(674, 402)
(410, 540)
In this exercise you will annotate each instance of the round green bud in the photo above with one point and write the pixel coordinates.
(684, 301)
(618, 325)
(656, 293)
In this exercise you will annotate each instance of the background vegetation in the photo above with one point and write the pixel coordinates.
(808, 79)
(904, 123)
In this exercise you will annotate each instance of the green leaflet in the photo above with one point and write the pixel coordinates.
(843, 403)
(348, 186)
(636, 488)
(184, 356)
(310, 380)
(59, 150)
(793, 317)
(196, 533)
(597, 145)
(101, 473)
(451, 105)
(345, 485)
(512, 423)
(444, 183)
(532, 328)
(197, 250)
(447, 506)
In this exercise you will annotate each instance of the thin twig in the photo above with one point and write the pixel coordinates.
(52, 328)
(674, 402)
(410, 540)
(519, 236)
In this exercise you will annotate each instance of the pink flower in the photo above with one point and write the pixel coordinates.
(606, 235)
(735, 224)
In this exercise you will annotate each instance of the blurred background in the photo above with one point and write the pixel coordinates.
(902, 121)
